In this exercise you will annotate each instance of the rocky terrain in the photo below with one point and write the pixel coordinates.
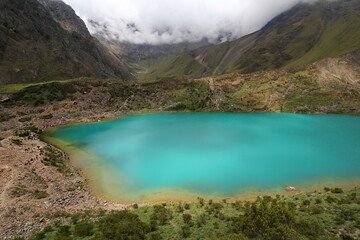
(39, 42)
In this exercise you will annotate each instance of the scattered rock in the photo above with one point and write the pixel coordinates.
(5, 100)
(290, 189)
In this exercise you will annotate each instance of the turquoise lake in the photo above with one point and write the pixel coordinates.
(215, 153)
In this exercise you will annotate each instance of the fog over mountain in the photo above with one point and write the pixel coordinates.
(170, 21)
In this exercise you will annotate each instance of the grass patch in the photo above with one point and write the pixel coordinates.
(38, 194)
(5, 117)
(48, 116)
(25, 119)
(17, 142)
(55, 159)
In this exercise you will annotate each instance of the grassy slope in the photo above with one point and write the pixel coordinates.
(301, 90)
(340, 36)
(303, 35)
(13, 88)
(181, 67)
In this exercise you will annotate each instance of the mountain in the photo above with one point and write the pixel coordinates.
(143, 57)
(45, 40)
(304, 34)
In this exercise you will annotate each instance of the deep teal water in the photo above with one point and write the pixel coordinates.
(223, 153)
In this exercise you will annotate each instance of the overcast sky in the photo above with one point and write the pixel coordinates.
(173, 21)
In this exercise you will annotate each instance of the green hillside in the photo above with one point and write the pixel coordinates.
(304, 34)
(181, 67)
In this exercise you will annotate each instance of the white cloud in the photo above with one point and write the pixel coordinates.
(173, 21)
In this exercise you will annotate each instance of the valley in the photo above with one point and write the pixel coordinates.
(57, 69)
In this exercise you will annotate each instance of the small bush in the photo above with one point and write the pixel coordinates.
(306, 202)
(155, 236)
(70, 189)
(17, 142)
(187, 218)
(84, 229)
(337, 190)
(185, 231)
(49, 116)
(37, 194)
(18, 192)
(161, 214)
(330, 199)
(25, 119)
(201, 201)
(5, 117)
(122, 225)
(316, 210)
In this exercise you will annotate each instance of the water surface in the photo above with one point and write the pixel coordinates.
(141, 156)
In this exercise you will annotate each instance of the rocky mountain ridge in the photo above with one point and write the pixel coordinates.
(44, 41)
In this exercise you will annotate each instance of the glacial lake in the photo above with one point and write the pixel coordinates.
(180, 156)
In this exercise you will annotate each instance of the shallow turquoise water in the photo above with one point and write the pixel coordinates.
(222, 153)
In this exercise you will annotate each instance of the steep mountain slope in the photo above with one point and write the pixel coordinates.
(47, 41)
(302, 35)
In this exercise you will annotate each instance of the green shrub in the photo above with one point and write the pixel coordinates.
(267, 220)
(18, 192)
(179, 208)
(330, 199)
(337, 190)
(312, 230)
(122, 225)
(84, 229)
(161, 214)
(23, 134)
(17, 142)
(316, 210)
(201, 201)
(34, 129)
(187, 218)
(37, 194)
(155, 236)
(185, 231)
(49, 116)
(54, 158)
(5, 117)
(201, 220)
(25, 119)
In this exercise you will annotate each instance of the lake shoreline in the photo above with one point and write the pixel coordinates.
(182, 195)
(63, 195)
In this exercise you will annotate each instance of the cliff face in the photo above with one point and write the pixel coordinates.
(66, 17)
(42, 41)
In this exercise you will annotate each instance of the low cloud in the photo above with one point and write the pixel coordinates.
(174, 21)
